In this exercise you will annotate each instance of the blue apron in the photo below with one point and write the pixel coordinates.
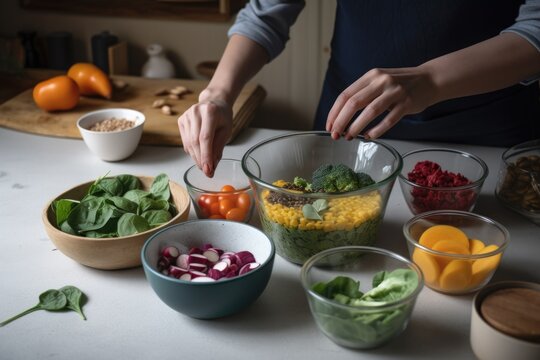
(404, 33)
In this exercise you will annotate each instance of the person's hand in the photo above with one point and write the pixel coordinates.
(205, 128)
(400, 91)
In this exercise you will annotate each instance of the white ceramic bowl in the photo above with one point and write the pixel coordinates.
(112, 145)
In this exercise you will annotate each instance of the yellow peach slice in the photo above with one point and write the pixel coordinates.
(456, 276)
(429, 266)
(437, 233)
(475, 246)
(449, 247)
(482, 268)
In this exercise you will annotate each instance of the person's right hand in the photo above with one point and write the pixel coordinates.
(205, 128)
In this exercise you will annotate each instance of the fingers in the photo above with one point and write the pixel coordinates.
(376, 107)
(389, 120)
(204, 129)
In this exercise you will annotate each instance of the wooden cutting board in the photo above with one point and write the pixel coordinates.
(20, 112)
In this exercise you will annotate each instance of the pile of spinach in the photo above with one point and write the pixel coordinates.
(116, 206)
(366, 326)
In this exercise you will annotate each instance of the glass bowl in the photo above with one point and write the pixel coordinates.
(518, 186)
(458, 251)
(349, 218)
(361, 324)
(441, 187)
(227, 195)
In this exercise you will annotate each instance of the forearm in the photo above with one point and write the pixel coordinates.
(496, 63)
(241, 60)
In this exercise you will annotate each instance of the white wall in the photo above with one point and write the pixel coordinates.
(293, 81)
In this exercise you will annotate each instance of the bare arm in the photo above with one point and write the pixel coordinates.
(206, 126)
(501, 61)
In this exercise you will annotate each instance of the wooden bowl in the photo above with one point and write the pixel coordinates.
(109, 253)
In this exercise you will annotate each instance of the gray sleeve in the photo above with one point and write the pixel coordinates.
(527, 23)
(267, 22)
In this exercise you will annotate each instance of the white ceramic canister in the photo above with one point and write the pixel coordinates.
(489, 343)
(157, 66)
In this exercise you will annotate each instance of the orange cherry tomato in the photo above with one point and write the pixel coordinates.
(214, 209)
(227, 188)
(236, 214)
(216, 217)
(243, 201)
(201, 201)
(57, 93)
(209, 200)
(91, 80)
(225, 205)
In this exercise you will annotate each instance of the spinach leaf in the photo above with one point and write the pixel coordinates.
(314, 211)
(62, 209)
(160, 187)
(68, 297)
(339, 285)
(394, 286)
(156, 217)
(111, 186)
(74, 298)
(136, 195)
(130, 224)
(123, 203)
(51, 300)
(129, 182)
(90, 215)
(151, 204)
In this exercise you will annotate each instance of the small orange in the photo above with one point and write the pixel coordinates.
(57, 93)
(91, 80)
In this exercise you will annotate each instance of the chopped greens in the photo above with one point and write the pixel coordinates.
(367, 326)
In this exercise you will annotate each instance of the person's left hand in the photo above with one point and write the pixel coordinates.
(401, 92)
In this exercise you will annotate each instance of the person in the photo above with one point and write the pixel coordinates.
(447, 70)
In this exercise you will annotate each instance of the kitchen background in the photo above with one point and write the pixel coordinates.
(292, 81)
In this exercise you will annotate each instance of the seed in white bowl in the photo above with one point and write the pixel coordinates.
(112, 124)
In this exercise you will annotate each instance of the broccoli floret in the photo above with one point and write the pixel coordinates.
(364, 180)
(334, 178)
(299, 181)
(318, 178)
(339, 178)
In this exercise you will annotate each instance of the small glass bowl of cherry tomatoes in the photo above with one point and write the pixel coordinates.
(227, 195)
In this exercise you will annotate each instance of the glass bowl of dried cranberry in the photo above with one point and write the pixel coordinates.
(441, 179)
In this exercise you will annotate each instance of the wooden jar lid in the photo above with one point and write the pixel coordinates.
(514, 311)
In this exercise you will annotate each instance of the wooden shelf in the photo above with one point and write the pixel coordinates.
(206, 10)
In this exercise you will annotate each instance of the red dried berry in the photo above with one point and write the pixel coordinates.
(429, 174)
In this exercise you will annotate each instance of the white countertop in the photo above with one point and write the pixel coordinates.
(126, 320)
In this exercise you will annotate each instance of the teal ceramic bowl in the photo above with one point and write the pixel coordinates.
(209, 300)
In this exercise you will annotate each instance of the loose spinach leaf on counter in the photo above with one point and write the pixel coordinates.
(109, 206)
(74, 298)
(67, 298)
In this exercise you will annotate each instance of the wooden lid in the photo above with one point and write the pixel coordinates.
(514, 311)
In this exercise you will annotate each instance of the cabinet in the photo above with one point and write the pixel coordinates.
(196, 10)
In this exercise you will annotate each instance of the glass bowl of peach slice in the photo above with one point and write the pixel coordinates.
(457, 251)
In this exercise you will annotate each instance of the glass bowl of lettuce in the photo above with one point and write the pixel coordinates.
(315, 193)
(361, 297)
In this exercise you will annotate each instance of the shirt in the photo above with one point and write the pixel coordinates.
(404, 33)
